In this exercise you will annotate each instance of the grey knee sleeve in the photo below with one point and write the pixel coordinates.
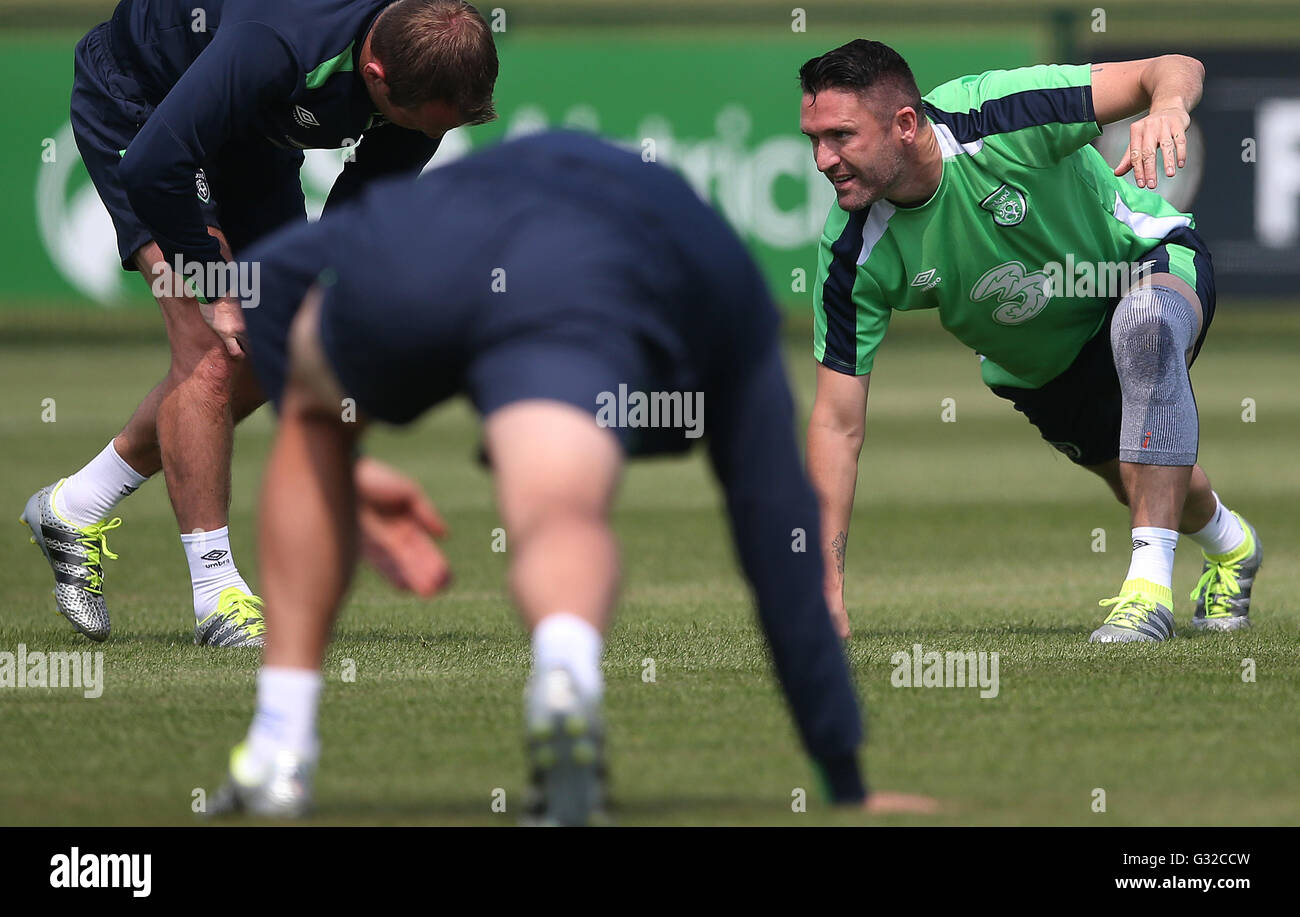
(1151, 333)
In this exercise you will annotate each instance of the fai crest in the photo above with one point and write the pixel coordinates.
(201, 186)
(1007, 205)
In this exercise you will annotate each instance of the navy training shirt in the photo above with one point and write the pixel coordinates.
(219, 71)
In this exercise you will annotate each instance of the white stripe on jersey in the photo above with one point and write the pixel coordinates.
(874, 228)
(1146, 225)
(948, 144)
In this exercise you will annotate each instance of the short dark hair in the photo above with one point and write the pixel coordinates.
(859, 66)
(437, 50)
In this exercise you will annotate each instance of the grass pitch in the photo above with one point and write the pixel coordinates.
(970, 535)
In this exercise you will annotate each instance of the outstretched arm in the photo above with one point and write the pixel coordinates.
(1168, 88)
(835, 433)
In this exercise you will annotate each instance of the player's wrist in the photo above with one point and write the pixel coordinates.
(842, 779)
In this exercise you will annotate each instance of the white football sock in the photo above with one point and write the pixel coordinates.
(212, 568)
(91, 494)
(286, 714)
(1223, 534)
(1153, 555)
(566, 641)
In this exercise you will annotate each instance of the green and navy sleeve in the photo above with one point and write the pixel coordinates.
(387, 150)
(1035, 115)
(850, 314)
(246, 65)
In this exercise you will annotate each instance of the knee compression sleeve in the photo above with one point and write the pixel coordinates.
(1151, 333)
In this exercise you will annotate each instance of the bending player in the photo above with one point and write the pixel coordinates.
(191, 122)
(614, 273)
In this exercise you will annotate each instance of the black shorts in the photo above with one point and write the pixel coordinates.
(1079, 412)
(246, 191)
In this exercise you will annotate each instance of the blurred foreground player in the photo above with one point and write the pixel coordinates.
(592, 270)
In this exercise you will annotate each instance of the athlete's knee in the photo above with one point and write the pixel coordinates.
(1152, 333)
(211, 376)
(559, 532)
(1153, 329)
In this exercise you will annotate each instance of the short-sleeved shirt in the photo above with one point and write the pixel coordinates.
(1023, 200)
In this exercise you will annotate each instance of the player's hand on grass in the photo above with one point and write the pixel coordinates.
(900, 804)
(398, 527)
(1164, 130)
(226, 318)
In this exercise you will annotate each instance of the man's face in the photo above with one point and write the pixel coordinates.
(433, 119)
(863, 157)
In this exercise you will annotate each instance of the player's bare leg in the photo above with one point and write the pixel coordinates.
(193, 408)
(1153, 334)
(556, 472)
(1198, 505)
(312, 484)
(308, 487)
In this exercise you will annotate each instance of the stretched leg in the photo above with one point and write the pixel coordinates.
(201, 397)
(1153, 332)
(308, 487)
(556, 472)
(1198, 508)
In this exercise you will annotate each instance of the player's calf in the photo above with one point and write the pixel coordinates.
(1152, 335)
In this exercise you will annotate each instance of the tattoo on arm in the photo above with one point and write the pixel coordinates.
(838, 544)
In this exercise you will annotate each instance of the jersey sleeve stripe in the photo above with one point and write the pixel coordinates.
(1030, 108)
(841, 351)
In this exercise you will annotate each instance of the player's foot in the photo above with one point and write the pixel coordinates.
(279, 789)
(236, 622)
(565, 753)
(1223, 593)
(1140, 615)
(76, 555)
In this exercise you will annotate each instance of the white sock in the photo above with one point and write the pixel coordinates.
(1153, 555)
(1223, 534)
(91, 494)
(212, 568)
(286, 714)
(566, 641)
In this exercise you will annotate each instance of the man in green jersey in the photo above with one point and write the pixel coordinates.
(970, 201)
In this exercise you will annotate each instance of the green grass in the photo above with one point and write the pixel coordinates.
(967, 535)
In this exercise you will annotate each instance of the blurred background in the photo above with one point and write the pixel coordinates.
(713, 85)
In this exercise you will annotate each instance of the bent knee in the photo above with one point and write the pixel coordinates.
(212, 371)
(1152, 324)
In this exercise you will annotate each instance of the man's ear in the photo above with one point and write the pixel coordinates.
(373, 74)
(907, 122)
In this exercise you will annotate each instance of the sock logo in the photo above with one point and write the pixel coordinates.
(214, 556)
(1137, 543)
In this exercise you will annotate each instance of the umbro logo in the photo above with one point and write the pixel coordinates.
(927, 280)
(304, 117)
(214, 556)
(1137, 543)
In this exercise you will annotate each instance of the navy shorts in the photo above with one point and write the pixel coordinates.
(529, 296)
(1079, 412)
(246, 194)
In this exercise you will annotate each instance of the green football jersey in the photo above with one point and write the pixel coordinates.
(1022, 194)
